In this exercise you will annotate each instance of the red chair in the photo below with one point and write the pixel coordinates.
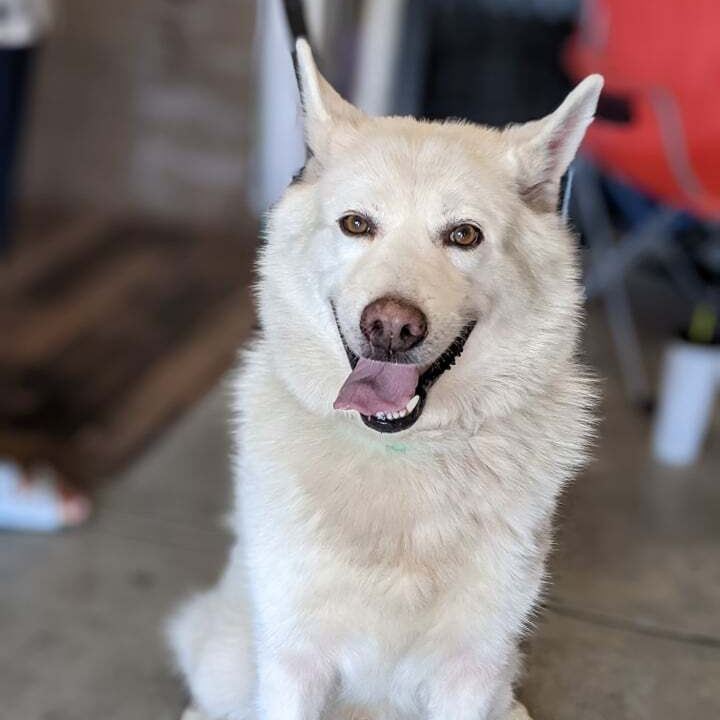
(658, 129)
(661, 59)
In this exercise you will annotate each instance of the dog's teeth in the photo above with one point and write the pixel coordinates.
(411, 405)
(380, 415)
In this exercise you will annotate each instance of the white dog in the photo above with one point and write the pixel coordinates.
(406, 421)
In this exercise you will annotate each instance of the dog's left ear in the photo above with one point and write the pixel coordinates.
(542, 150)
(326, 113)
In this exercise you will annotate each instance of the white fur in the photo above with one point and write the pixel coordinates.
(392, 576)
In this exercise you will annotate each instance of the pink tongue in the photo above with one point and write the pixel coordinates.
(374, 387)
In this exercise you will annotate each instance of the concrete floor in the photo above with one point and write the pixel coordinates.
(631, 630)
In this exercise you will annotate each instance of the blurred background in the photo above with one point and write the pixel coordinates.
(140, 144)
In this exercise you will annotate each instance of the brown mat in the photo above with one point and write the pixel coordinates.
(109, 330)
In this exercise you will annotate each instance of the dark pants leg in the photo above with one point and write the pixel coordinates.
(15, 67)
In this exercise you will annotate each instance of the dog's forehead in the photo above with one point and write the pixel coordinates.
(432, 166)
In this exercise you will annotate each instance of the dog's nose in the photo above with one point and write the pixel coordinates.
(393, 325)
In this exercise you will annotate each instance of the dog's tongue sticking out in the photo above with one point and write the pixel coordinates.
(374, 387)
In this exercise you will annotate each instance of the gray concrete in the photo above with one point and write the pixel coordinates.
(631, 630)
(81, 613)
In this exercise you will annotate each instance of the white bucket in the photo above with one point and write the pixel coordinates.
(690, 384)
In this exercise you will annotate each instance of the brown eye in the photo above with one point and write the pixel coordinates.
(355, 225)
(465, 236)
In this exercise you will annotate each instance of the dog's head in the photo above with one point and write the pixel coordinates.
(417, 274)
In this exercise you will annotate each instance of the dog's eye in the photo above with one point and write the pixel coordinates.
(465, 236)
(353, 224)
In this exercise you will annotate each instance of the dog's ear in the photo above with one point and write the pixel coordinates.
(325, 111)
(542, 150)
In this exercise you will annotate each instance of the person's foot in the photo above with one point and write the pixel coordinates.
(38, 501)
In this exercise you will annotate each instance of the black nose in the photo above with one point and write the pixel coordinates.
(393, 325)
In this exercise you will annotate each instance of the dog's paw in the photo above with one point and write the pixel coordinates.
(518, 712)
(192, 714)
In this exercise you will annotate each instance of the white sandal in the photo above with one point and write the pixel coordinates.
(36, 501)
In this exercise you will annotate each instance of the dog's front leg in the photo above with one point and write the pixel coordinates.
(466, 687)
(293, 686)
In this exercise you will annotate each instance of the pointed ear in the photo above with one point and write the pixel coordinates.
(542, 150)
(323, 107)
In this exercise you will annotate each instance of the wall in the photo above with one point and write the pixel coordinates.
(143, 107)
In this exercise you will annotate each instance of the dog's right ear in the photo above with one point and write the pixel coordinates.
(325, 111)
(543, 149)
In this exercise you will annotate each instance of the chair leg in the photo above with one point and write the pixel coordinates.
(627, 345)
(601, 241)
